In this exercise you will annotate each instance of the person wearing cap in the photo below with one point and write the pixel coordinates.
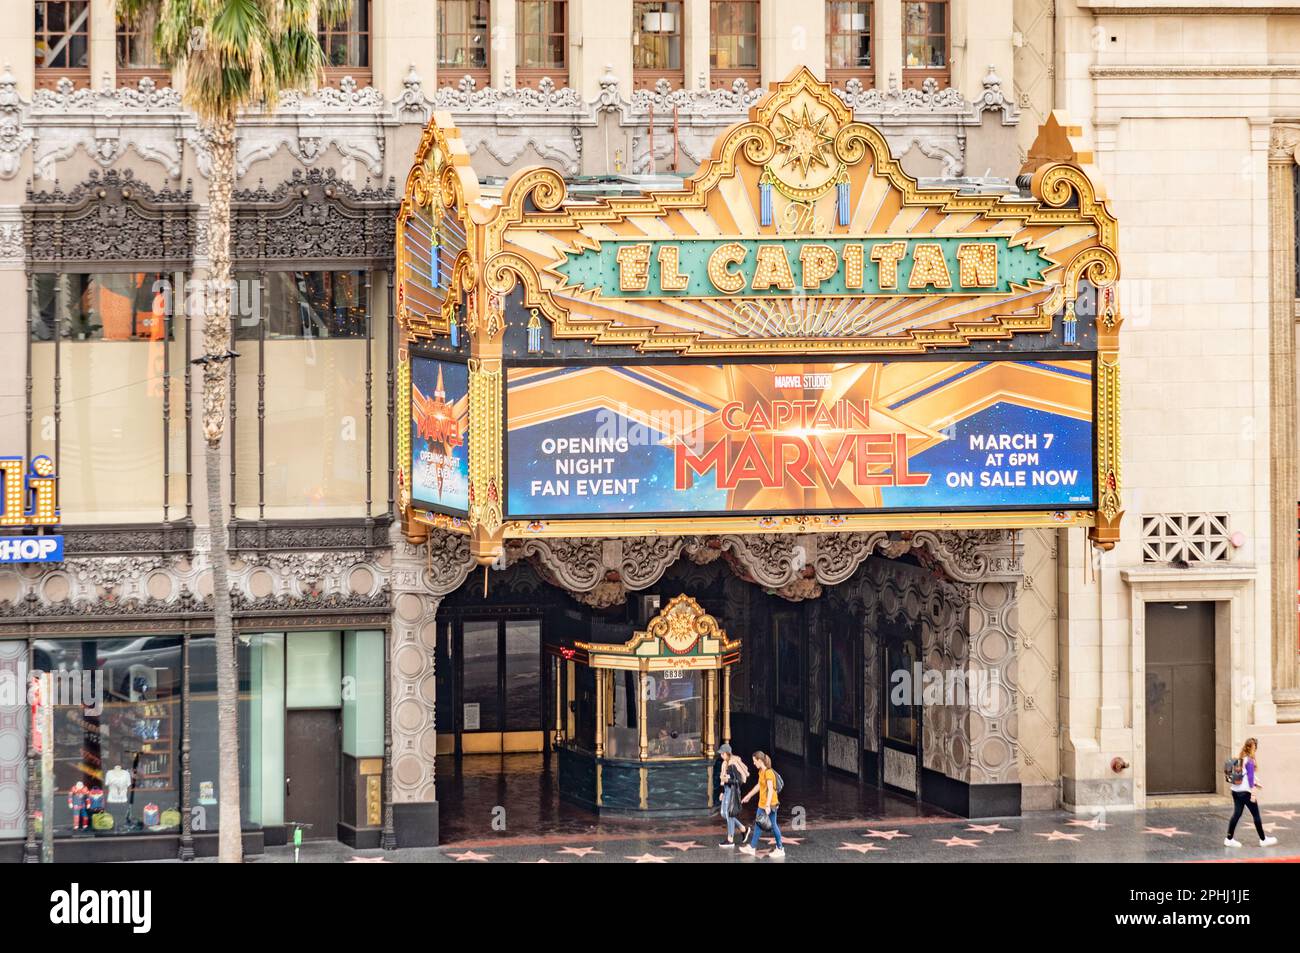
(731, 776)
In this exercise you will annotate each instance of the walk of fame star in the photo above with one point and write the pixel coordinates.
(887, 835)
(1058, 835)
(470, 855)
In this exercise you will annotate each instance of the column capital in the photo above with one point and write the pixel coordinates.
(1284, 144)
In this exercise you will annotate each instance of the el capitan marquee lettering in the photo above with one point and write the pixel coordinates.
(709, 268)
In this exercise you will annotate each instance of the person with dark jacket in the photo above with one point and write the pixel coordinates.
(731, 776)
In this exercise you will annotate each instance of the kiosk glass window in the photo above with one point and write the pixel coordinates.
(622, 735)
(675, 715)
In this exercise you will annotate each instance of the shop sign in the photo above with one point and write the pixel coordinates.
(31, 549)
(654, 439)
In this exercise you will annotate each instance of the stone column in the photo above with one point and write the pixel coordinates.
(1284, 152)
(421, 576)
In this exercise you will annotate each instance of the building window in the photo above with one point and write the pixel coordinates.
(925, 43)
(62, 42)
(107, 363)
(136, 58)
(542, 27)
(301, 431)
(848, 43)
(117, 733)
(464, 35)
(347, 45)
(733, 42)
(657, 44)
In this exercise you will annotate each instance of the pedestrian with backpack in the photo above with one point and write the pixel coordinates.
(768, 790)
(732, 775)
(1240, 772)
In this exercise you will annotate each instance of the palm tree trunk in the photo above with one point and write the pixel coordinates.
(216, 344)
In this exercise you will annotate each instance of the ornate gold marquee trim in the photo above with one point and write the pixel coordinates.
(518, 242)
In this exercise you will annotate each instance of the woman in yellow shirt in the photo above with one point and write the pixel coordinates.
(768, 804)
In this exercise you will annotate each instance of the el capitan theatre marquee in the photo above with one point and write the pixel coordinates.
(799, 339)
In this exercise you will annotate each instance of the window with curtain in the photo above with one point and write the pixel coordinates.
(307, 344)
(925, 42)
(464, 40)
(62, 41)
(543, 41)
(733, 41)
(848, 42)
(107, 360)
(657, 43)
(347, 44)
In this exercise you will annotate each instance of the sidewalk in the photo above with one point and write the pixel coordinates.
(1168, 835)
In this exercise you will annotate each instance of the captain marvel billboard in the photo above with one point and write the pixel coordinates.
(439, 428)
(825, 437)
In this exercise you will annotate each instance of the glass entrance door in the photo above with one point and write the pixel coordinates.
(496, 691)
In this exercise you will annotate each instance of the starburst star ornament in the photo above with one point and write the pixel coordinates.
(804, 143)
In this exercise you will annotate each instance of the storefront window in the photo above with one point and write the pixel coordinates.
(109, 358)
(13, 738)
(300, 394)
(463, 39)
(205, 789)
(313, 670)
(116, 739)
(363, 694)
(675, 715)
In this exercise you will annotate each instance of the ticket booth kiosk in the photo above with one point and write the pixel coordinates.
(638, 724)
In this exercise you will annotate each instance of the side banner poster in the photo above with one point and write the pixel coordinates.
(439, 434)
(727, 439)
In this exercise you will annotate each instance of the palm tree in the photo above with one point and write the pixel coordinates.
(233, 55)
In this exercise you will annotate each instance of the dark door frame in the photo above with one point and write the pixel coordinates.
(455, 631)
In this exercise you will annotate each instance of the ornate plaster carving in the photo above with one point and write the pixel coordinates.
(314, 215)
(111, 216)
